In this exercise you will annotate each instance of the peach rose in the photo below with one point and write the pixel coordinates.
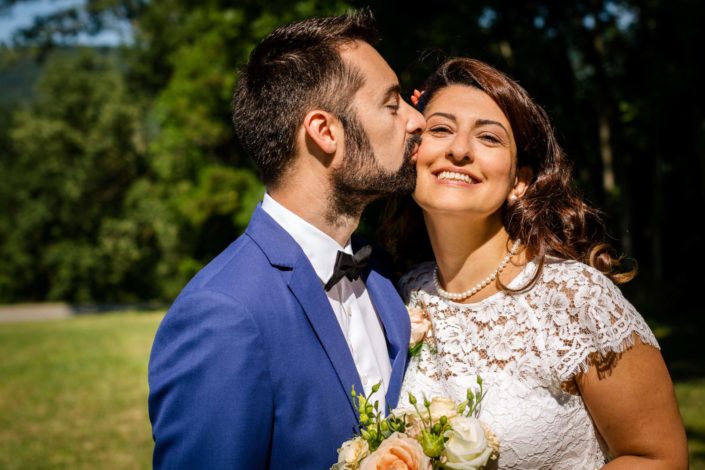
(397, 452)
(420, 325)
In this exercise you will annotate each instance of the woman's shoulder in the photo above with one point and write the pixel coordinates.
(588, 314)
(573, 273)
(418, 278)
(582, 284)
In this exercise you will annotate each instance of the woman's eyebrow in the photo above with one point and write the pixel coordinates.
(445, 115)
(487, 122)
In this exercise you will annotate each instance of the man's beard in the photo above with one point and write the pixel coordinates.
(361, 179)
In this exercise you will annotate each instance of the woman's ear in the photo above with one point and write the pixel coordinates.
(323, 129)
(521, 182)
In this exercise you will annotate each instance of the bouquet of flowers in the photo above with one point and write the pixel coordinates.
(438, 434)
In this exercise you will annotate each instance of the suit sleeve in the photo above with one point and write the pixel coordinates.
(210, 400)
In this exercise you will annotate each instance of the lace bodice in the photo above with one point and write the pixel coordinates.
(525, 346)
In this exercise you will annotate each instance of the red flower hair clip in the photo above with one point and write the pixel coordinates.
(415, 97)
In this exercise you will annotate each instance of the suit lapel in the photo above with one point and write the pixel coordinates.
(395, 320)
(307, 288)
(282, 251)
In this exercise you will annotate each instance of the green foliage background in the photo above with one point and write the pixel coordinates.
(121, 175)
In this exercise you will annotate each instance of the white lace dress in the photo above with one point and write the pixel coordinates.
(524, 346)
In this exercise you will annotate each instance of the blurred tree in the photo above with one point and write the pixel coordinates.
(74, 152)
(185, 201)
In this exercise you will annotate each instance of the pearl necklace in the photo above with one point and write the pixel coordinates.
(481, 285)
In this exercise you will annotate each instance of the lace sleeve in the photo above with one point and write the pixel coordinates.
(598, 323)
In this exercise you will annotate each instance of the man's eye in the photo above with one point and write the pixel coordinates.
(393, 107)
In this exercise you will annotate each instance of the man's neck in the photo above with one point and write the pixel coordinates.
(314, 209)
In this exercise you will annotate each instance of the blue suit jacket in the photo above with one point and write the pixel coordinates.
(250, 369)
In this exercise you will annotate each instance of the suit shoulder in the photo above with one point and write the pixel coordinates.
(239, 263)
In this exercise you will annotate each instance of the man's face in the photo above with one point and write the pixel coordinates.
(381, 135)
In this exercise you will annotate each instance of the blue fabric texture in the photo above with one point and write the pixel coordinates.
(249, 367)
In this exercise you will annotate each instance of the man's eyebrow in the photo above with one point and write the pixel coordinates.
(394, 90)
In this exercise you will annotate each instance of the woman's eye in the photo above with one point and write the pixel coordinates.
(393, 107)
(439, 130)
(490, 138)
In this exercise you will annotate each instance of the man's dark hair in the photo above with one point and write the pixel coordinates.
(295, 69)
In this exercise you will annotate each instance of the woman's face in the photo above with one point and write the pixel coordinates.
(466, 162)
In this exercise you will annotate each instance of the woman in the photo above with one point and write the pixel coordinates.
(522, 291)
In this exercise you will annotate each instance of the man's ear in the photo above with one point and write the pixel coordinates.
(521, 182)
(323, 129)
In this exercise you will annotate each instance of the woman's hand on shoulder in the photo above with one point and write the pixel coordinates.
(634, 407)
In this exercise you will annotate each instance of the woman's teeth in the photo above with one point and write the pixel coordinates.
(453, 176)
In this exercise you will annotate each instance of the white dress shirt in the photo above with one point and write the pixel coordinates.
(350, 301)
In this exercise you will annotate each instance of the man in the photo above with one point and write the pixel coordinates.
(253, 365)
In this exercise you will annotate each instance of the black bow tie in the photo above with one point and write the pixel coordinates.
(350, 266)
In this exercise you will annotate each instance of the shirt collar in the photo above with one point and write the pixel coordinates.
(320, 249)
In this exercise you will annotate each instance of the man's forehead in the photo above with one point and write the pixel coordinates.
(367, 60)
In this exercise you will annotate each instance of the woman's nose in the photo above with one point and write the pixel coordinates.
(459, 150)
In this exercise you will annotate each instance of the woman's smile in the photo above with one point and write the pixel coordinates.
(456, 177)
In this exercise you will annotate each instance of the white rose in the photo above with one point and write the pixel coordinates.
(467, 447)
(351, 453)
(442, 406)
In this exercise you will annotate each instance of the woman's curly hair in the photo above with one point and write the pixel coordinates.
(551, 219)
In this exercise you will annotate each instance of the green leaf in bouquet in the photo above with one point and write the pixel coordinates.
(432, 444)
(470, 396)
(415, 349)
(461, 407)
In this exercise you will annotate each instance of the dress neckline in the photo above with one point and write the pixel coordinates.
(519, 280)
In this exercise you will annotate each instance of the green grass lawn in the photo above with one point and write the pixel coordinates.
(691, 398)
(73, 394)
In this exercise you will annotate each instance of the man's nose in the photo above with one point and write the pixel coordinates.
(415, 122)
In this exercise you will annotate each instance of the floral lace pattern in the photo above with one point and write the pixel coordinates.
(524, 346)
